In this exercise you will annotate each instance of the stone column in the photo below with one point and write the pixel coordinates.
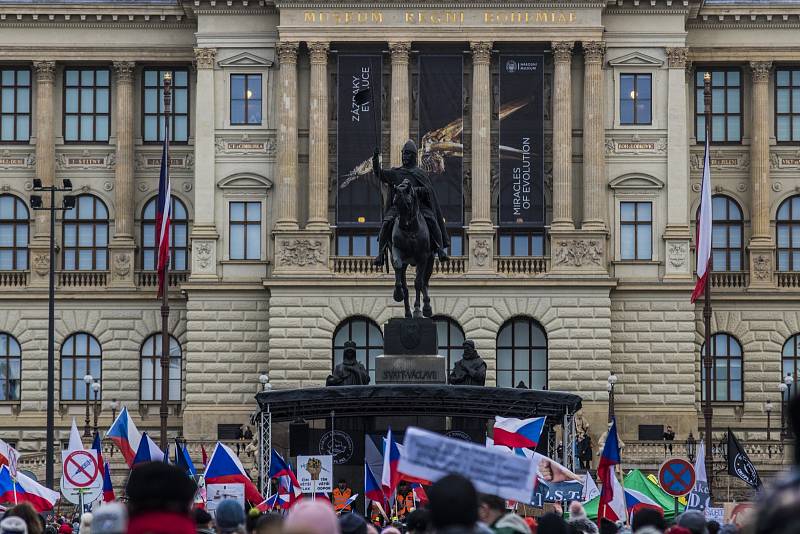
(204, 233)
(45, 168)
(400, 108)
(318, 139)
(481, 232)
(677, 237)
(287, 138)
(594, 167)
(562, 137)
(122, 247)
(761, 243)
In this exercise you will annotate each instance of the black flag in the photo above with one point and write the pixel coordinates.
(739, 464)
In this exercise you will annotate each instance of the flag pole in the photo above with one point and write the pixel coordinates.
(707, 410)
(165, 339)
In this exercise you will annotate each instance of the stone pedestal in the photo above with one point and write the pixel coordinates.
(301, 252)
(121, 265)
(411, 357)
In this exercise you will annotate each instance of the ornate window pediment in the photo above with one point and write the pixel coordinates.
(636, 181)
(245, 59)
(635, 59)
(245, 180)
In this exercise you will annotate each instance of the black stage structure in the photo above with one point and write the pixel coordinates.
(362, 410)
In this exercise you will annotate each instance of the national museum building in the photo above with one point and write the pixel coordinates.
(565, 142)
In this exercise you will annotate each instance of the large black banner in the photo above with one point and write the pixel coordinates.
(358, 198)
(521, 140)
(441, 125)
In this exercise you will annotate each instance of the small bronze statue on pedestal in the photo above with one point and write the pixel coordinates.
(470, 370)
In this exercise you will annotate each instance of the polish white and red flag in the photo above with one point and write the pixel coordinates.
(704, 229)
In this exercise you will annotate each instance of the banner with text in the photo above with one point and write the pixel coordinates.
(441, 125)
(521, 147)
(358, 198)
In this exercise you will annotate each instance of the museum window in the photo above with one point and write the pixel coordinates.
(520, 242)
(245, 230)
(87, 105)
(787, 105)
(86, 235)
(726, 105)
(178, 238)
(636, 230)
(15, 107)
(80, 355)
(14, 228)
(635, 99)
(368, 338)
(153, 105)
(790, 357)
(522, 354)
(787, 229)
(726, 369)
(450, 339)
(245, 99)
(150, 389)
(352, 242)
(727, 239)
(10, 367)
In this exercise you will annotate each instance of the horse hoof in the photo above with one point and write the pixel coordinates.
(417, 314)
(398, 294)
(427, 311)
(408, 315)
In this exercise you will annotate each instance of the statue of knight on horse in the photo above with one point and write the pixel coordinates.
(413, 225)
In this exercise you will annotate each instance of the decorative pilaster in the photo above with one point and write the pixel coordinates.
(594, 167)
(287, 138)
(400, 108)
(677, 237)
(204, 233)
(762, 249)
(481, 232)
(562, 137)
(318, 139)
(122, 248)
(45, 168)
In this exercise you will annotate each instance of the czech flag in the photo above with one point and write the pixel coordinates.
(225, 468)
(108, 488)
(704, 224)
(372, 490)
(390, 477)
(268, 504)
(96, 445)
(636, 500)
(518, 433)
(163, 205)
(419, 493)
(612, 498)
(288, 494)
(278, 467)
(148, 451)
(183, 460)
(125, 436)
(27, 490)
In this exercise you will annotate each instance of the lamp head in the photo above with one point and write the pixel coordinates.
(36, 202)
(788, 379)
(707, 77)
(768, 406)
(69, 202)
(96, 386)
(612, 379)
(88, 379)
(783, 387)
(114, 404)
(264, 378)
(67, 184)
(37, 184)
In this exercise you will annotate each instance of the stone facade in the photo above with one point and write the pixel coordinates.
(279, 310)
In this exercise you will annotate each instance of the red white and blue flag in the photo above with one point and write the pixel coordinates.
(372, 490)
(108, 488)
(278, 467)
(612, 498)
(148, 451)
(390, 476)
(163, 205)
(225, 468)
(25, 489)
(636, 501)
(518, 433)
(96, 445)
(125, 435)
(704, 230)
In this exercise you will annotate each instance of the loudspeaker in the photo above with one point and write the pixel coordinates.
(299, 434)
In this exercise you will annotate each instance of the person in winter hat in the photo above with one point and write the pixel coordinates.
(492, 511)
(579, 521)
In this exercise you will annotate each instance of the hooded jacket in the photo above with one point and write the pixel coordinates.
(510, 523)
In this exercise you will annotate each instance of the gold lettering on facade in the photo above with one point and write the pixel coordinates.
(246, 146)
(724, 162)
(528, 17)
(435, 18)
(86, 161)
(440, 17)
(790, 161)
(173, 162)
(11, 162)
(343, 17)
(636, 146)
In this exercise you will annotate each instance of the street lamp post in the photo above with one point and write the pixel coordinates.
(691, 447)
(787, 387)
(782, 388)
(114, 407)
(37, 204)
(768, 409)
(88, 380)
(612, 380)
(96, 391)
(165, 339)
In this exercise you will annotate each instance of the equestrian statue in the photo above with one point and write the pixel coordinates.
(414, 226)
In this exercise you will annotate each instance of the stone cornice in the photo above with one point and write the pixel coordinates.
(424, 4)
(109, 54)
(747, 21)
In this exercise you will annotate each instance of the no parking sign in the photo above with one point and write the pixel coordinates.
(676, 477)
(80, 479)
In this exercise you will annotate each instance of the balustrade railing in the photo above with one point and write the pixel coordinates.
(788, 279)
(150, 278)
(362, 265)
(82, 278)
(522, 265)
(729, 279)
(13, 278)
(771, 455)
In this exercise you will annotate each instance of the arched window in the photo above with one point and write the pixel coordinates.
(450, 337)
(368, 339)
(726, 371)
(14, 221)
(86, 235)
(787, 228)
(178, 239)
(80, 355)
(522, 354)
(150, 389)
(790, 357)
(10, 354)
(727, 242)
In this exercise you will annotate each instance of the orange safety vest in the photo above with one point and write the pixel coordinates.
(340, 498)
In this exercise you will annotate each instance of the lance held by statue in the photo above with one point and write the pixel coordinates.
(414, 226)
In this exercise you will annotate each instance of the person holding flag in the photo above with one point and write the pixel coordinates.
(612, 497)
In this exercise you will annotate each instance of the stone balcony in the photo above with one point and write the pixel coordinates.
(516, 266)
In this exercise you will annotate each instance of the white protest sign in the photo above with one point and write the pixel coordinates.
(715, 514)
(431, 456)
(315, 473)
(81, 479)
(216, 493)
